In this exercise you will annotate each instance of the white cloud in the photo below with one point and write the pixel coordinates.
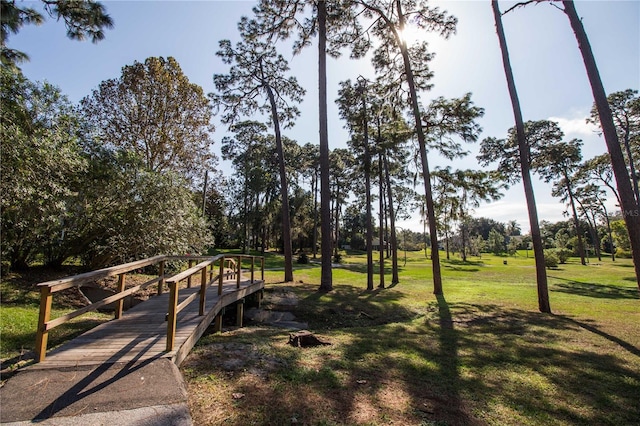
(575, 127)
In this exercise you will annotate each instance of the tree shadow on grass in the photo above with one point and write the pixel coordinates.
(600, 291)
(450, 363)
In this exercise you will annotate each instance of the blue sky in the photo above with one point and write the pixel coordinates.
(548, 68)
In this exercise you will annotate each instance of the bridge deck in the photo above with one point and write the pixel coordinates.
(141, 333)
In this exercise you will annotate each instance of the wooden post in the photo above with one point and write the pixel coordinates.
(120, 303)
(221, 276)
(217, 326)
(43, 334)
(172, 317)
(161, 275)
(262, 267)
(203, 290)
(253, 264)
(239, 271)
(189, 279)
(239, 312)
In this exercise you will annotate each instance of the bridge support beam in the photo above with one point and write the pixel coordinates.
(217, 323)
(239, 312)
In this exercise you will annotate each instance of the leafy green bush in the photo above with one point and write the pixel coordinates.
(551, 259)
(563, 255)
(623, 254)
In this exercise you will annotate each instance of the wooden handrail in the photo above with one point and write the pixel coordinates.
(48, 288)
(235, 268)
(78, 280)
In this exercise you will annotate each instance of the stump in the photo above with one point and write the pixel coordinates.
(305, 339)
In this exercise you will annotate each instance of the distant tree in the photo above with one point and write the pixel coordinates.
(558, 162)
(475, 186)
(311, 157)
(523, 161)
(482, 226)
(446, 203)
(250, 155)
(353, 102)
(513, 228)
(620, 235)
(598, 171)
(590, 202)
(154, 111)
(625, 109)
(258, 71)
(495, 243)
(342, 165)
(83, 18)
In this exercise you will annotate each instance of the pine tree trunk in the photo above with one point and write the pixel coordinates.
(630, 210)
(395, 279)
(381, 215)
(326, 278)
(286, 221)
(538, 248)
(426, 175)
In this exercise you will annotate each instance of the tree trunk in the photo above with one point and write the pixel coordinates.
(326, 278)
(381, 215)
(245, 222)
(367, 184)
(314, 186)
(632, 167)
(609, 233)
(395, 279)
(576, 221)
(426, 175)
(536, 238)
(630, 210)
(337, 221)
(286, 221)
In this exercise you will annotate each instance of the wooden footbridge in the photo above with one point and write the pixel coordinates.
(166, 325)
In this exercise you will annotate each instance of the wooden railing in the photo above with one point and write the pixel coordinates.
(232, 270)
(229, 268)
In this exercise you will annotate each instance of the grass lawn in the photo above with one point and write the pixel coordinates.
(480, 354)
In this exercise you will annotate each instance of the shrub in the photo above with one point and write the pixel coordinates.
(623, 254)
(563, 255)
(551, 259)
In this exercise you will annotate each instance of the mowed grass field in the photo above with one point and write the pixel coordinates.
(480, 354)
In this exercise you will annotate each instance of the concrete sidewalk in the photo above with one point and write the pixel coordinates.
(146, 393)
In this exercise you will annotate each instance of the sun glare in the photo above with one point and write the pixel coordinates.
(411, 34)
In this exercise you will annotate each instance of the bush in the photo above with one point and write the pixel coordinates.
(337, 258)
(303, 258)
(563, 255)
(623, 254)
(551, 259)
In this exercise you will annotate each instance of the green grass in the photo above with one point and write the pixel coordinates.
(479, 354)
(482, 353)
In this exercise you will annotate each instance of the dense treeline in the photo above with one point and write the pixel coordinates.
(68, 191)
(126, 173)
